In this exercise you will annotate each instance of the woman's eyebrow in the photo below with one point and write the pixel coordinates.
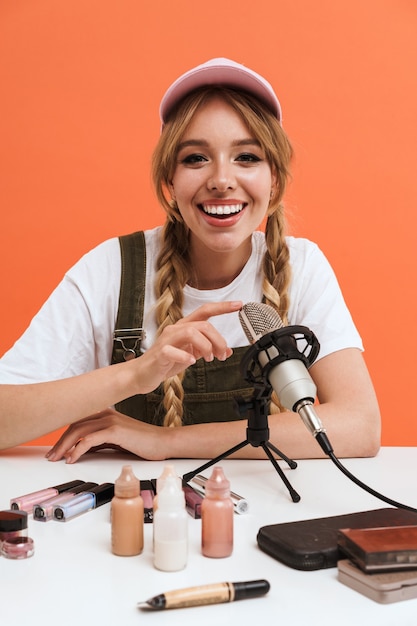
(193, 142)
(250, 141)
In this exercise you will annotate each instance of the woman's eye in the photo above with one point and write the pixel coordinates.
(248, 157)
(192, 159)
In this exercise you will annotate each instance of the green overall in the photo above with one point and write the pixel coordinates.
(209, 388)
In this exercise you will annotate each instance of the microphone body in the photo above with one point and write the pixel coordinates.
(283, 365)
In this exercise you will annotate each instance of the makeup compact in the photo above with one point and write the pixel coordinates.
(18, 548)
(384, 587)
(14, 542)
(13, 524)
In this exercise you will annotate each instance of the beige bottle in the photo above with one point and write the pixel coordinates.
(127, 515)
(217, 517)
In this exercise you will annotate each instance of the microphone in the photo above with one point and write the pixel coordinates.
(278, 359)
(283, 354)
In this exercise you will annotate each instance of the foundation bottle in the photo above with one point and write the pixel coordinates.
(127, 515)
(217, 517)
(170, 528)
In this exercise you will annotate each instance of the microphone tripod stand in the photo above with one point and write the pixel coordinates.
(257, 435)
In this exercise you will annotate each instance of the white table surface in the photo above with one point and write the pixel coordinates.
(73, 578)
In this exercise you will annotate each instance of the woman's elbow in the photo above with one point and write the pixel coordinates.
(369, 428)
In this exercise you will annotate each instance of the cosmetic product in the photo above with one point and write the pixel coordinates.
(44, 511)
(207, 594)
(217, 517)
(193, 500)
(84, 502)
(241, 505)
(170, 527)
(147, 492)
(26, 502)
(127, 515)
(18, 548)
(13, 524)
(168, 470)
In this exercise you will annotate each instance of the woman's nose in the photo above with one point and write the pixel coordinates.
(221, 177)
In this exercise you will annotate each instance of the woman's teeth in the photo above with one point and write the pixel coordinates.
(215, 209)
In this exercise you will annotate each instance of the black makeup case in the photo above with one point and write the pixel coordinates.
(312, 544)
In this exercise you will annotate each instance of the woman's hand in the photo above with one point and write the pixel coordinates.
(110, 429)
(180, 345)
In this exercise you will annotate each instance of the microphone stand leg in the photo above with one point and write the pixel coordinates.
(257, 434)
(190, 475)
(265, 445)
(294, 495)
(290, 462)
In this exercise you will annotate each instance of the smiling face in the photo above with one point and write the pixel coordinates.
(222, 182)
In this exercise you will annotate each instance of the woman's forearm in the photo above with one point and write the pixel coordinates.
(352, 434)
(32, 410)
(348, 410)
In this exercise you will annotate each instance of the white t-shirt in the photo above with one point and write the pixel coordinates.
(73, 331)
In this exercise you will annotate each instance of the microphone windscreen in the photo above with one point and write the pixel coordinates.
(257, 319)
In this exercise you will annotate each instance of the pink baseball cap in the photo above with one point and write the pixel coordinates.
(220, 72)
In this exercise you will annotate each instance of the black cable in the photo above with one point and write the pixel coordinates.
(327, 448)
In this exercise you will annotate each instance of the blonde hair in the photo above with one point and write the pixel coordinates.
(173, 267)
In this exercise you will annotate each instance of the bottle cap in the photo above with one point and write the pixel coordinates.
(218, 482)
(127, 485)
(168, 470)
(171, 495)
(12, 521)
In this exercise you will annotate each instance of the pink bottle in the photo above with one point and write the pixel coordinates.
(217, 517)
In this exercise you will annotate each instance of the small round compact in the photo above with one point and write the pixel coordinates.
(18, 548)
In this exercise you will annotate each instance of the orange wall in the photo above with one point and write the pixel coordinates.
(80, 85)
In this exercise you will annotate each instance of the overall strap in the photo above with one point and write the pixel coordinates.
(210, 389)
(129, 332)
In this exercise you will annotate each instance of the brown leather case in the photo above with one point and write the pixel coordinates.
(380, 549)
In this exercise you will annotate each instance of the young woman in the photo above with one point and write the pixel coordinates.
(220, 169)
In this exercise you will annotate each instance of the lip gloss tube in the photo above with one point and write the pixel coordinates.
(193, 500)
(240, 504)
(44, 511)
(83, 502)
(26, 502)
(147, 492)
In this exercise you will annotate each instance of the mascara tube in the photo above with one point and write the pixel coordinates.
(207, 594)
(84, 502)
(44, 511)
(26, 502)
